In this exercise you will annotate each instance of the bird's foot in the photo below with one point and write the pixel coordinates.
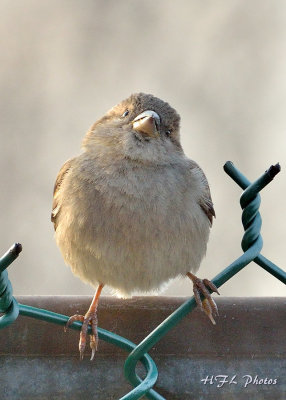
(202, 286)
(90, 318)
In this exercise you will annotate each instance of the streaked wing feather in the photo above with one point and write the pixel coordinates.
(207, 206)
(205, 202)
(60, 178)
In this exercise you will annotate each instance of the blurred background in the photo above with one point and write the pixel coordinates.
(221, 64)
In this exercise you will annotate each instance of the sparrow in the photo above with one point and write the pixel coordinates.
(131, 211)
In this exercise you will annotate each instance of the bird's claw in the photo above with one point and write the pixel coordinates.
(71, 320)
(208, 305)
(93, 346)
(90, 318)
(208, 308)
(211, 285)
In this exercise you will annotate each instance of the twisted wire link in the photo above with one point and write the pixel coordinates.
(8, 304)
(250, 202)
(248, 194)
(251, 221)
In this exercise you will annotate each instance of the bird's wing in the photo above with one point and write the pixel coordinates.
(207, 206)
(60, 178)
(205, 201)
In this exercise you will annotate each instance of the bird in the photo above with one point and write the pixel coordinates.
(132, 211)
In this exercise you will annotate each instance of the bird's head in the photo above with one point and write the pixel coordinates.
(142, 128)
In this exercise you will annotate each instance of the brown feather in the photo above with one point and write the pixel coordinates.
(61, 175)
(205, 202)
(207, 207)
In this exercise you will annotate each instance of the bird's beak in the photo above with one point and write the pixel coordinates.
(148, 123)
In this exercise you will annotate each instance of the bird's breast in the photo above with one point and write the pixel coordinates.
(124, 221)
(136, 203)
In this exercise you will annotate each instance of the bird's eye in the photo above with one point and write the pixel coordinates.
(168, 133)
(126, 112)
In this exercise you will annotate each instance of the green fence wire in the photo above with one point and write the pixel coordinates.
(251, 245)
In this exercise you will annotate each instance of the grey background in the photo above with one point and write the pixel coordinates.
(221, 64)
